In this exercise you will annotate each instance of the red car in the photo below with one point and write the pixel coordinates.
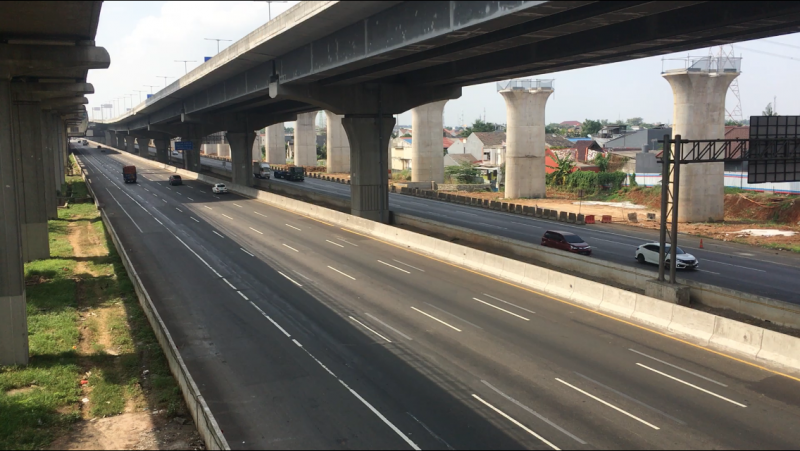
(566, 241)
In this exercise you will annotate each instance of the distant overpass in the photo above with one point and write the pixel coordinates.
(369, 60)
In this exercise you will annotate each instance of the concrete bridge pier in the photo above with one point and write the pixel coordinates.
(276, 144)
(162, 153)
(369, 162)
(699, 113)
(49, 143)
(305, 140)
(191, 158)
(427, 156)
(525, 150)
(337, 145)
(144, 146)
(130, 140)
(242, 157)
(120, 141)
(110, 138)
(61, 153)
(13, 317)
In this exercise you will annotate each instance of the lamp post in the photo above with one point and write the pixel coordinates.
(185, 67)
(140, 94)
(151, 87)
(215, 39)
(165, 79)
(269, 7)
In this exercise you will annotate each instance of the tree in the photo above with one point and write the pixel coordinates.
(563, 169)
(322, 152)
(768, 111)
(394, 135)
(590, 127)
(289, 130)
(732, 122)
(465, 172)
(479, 126)
(554, 129)
(635, 121)
(407, 135)
(601, 161)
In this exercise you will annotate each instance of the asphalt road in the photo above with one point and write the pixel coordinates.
(301, 334)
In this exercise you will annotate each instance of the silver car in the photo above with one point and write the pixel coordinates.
(648, 253)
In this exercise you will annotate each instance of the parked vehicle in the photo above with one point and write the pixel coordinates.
(101, 149)
(175, 180)
(566, 241)
(292, 173)
(263, 171)
(129, 174)
(219, 188)
(648, 253)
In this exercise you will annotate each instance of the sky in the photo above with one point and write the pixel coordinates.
(145, 39)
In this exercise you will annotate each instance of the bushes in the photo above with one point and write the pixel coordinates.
(611, 180)
(465, 173)
(585, 180)
(590, 182)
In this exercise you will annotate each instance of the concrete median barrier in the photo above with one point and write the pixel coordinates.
(736, 337)
(618, 302)
(560, 284)
(692, 324)
(588, 293)
(652, 311)
(536, 277)
(780, 349)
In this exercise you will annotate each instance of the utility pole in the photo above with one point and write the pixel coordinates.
(151, 87)
(215, 39)
(185, 67)
(269, 7)
(165, 79)
(140, 94)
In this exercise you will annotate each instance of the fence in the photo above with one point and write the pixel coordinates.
(525, 85)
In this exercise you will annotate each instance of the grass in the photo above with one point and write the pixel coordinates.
(783, 246)
(84, 322)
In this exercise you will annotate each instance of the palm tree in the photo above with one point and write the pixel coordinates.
(563, 169)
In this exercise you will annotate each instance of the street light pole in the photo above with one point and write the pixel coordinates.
(151, 87)
(140, 94)
(215, 39)
(185, 67)
(165, 79)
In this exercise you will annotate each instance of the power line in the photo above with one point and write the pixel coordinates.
(781, 43)
(768, 53)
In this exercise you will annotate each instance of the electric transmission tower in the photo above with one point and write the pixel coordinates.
(726, 56)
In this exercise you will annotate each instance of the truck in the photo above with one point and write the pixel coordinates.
(129, 174)
(261, 171)
(291, 173)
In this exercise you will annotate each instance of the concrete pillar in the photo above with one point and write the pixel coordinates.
(525, 151)
(144, 147)
(699, 113)
(337, 146)
(13, 317)
(369, 163)
(27, 134)
(276, 144)
(191, 158)
(305, 140)
(111, 138)
(60, 156)
(257, 143)
(120, 141)
(427, 156)
(224, 149)
(162, 153)
(49, 143)
(129, 144)
(242, 157)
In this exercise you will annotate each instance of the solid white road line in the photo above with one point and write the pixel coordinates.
(737, 266)
(126, 212)
(293, 281)
(437, 319)
(395, 267)
(271, 320)
(229, 284)
(158, 220)
(290, 247)
(179, 209)
(242, 295)
(608, 404)
(454, 316)
(254, 230)
(501, 309)
(226, 216)
(390, 327)
(215, 232)
(703, 270)
(509, 303)
(293, 227)
(367, 327)
(196, 254)
(260, 214)
(398, 261)
(331, 267)
(193, 219)
(335, 244)
(677, 367)
(691, 385)
(248, 253)
(515, 422)
(534, 413)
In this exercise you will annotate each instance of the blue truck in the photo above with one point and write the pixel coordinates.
(129, 174)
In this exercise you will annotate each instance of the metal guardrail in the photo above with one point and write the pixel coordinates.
(702, 64)
(525, 85)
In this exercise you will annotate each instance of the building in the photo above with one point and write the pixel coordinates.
(584, 146)
(557, 142)
(637, 139)
(571, 124)
(457, 159)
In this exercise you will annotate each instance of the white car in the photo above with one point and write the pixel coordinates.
(219, 188)
(648, 253)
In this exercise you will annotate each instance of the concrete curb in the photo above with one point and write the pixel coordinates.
(207, 425)
(727, 335)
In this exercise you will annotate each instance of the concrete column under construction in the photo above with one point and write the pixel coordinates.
(144, 146)
(275, 144)
(13, 316)
(242, 157)
(49, 149)
(427, 152)
(305, 140)
(130, 142)
(337, 145)
(27, 138)
(162, 153)
(369, 165)
(699, 113)
(525, 150)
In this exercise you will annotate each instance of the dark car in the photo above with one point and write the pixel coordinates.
(566, 241)
(175, 180)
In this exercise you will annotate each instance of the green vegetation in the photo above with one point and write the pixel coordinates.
(401, 176)
(601, 161)
(729, 190)
(563, 169)
(480, 126)
(590, 127)
(84, 323)
(783, 246)
(465, 173)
